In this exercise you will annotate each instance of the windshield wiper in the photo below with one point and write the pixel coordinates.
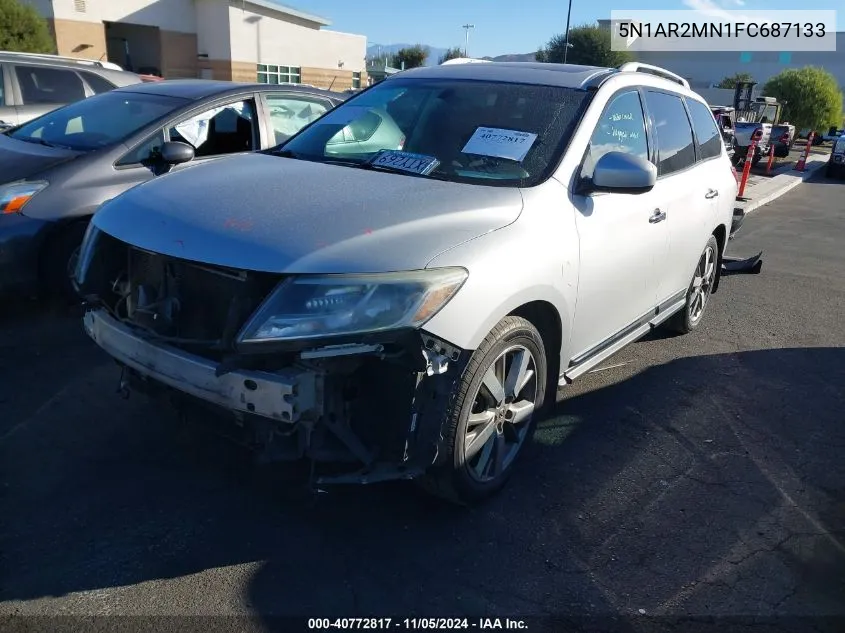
(40, 141)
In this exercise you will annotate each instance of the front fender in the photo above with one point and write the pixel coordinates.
(534, 259)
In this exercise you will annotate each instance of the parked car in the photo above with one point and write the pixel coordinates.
(57, 169)
(409, 313)
(833, 135)
(836, 163)
(32, 85)
(783, 138)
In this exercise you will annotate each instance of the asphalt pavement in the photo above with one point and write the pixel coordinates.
(699, 475)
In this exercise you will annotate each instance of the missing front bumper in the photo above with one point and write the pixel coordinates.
(284, 396)
(386, 417)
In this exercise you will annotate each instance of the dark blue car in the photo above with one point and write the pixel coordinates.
(56, 170)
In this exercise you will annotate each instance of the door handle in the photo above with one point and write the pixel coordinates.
(657, 216)
(711, 193)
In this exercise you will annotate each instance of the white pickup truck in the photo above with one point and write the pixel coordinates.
(756, 125)
(747, 132)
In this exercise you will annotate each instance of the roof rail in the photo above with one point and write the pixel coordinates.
(75, 60)
(639, 67)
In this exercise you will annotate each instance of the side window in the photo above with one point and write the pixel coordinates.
(708, 135)
(620, 129)
(144, 152)
(675, 147)
(49, 85)
(226, 129)
(97, 83)
(290, 113)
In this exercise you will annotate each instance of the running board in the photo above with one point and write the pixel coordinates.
(584, 366)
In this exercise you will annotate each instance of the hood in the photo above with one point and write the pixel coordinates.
(281, 215)
(21, 159)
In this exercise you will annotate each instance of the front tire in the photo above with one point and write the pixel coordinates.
(58, 260)
(498, 398)
(698, 294)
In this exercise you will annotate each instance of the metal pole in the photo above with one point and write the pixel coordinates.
(566, 46)
(466, 28)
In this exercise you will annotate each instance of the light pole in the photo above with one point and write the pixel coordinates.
(566, 46)
(466, 28)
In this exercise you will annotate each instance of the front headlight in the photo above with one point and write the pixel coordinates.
(14, 197)
(334, 305)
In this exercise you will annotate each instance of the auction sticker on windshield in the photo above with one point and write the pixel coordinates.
(406, 161)
(492, 141)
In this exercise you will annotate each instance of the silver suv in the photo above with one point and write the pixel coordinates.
(32, 85)
(408, 310)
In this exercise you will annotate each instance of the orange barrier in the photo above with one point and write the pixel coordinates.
(746, 168)
(771, 158)
(802, 162)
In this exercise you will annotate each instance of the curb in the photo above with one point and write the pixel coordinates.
(785, 183)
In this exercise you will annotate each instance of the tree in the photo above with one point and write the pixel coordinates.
(413, 56)
(23, 30)
(812, 96)
(731, 81)
(452, 53)
(588, 45)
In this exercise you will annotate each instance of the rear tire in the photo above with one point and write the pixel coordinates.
(496, 408)
(689, 318)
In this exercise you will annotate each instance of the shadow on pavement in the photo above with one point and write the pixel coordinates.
(708, 485)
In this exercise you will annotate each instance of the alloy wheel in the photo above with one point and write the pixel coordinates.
(502, 408)
(702, 283)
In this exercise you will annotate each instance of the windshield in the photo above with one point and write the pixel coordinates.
(97, 121)
(464, 131)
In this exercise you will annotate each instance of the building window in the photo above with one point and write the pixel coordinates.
(278, 74)
(356, 80)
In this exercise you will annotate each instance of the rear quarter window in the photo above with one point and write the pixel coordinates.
(707, 134)
(98, 84)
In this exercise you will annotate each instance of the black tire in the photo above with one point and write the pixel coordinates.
(458, 479)
(688, 319)
(57, 257)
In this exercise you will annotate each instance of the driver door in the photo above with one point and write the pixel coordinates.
(623, 239)
(215, 131)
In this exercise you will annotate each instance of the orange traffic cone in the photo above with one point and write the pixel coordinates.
(802, 162)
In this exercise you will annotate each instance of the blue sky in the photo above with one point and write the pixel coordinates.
(501, 26)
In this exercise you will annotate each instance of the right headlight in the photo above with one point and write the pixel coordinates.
(14, 197)
(316, 306)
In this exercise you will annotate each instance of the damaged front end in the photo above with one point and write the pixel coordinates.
(358, 391)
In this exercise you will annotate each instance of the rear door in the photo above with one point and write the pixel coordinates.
(685, 193)
(43, 88)
(714, 169)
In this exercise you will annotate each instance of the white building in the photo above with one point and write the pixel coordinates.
(240, 40)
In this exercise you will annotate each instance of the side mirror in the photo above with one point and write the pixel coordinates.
(624, 173)
(175, 153)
